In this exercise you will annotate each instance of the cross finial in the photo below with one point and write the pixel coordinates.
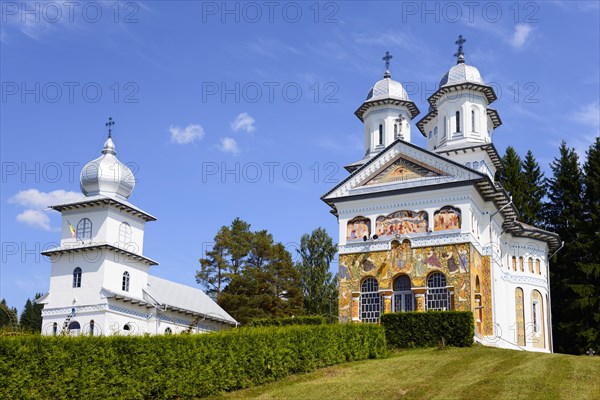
(109, 125)
(460, 54)
(387, 59)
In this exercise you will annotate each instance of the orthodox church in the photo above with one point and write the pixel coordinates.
(429, 228)
(100, 282)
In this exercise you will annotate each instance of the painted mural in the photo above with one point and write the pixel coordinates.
(520, 317)
(446, 218)
(399, 170)
(401, 222)
(358, 228)
(454, 261)
(480, 268)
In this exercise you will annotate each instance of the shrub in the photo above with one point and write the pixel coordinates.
(306, 320)
(175, 366)
(426, 329)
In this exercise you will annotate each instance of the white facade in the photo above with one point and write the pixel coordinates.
(510, 295)
(99, 281)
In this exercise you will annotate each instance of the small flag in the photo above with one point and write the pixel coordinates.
(72, 230)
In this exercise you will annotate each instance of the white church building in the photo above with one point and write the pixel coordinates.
(430, 228)
(100, 282)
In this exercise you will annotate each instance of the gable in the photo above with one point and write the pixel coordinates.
(402, 169)
(402, 166)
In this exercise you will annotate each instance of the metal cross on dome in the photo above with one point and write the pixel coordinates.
(460, 53)
(109, 125)
(387, 59)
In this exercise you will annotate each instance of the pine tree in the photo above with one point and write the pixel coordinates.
(584, 281)
(534, 190)
(231, 246)
(563, 214)
(319, 287)
(511, 177)
(8, 315)
(31, 317)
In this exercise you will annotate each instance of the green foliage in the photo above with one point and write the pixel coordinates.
(534, 191)
(302, 320)
(319, 286)
(511, 177)
(31, 317)
(169, 367)
(8, 315)
(250, 275)
(429, 329)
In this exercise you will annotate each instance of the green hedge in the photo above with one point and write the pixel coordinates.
(426, 329)
(175, 366)
(307, 320)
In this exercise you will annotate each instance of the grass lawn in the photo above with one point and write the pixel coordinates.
(454, 373)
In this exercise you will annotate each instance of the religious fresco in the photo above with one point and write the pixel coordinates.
(519, 309)
(480, 268)
(401, 170)
(357, 228)
(446, 218)
(454, 261)
(401, 222)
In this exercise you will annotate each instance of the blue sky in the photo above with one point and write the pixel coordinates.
(245, 109)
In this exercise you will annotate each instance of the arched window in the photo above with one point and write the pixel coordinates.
(403, 295)
(92, 326)
(430, 134)
(475, 165)
(54, 329)
(435, 131)
(520, 316)
(537, 319)
(521, 266)
(538, 269)
(530, 264)
(478, 305)
(473, 125)
(77, 277)
(84, 229)
(395, 130)
(437, 292)
(458, 121)
(380, 134)
(125, 233)
(445, 126)
(168, 331)
(514, 263)
(370, 307)
(74, 328)
(125, 284)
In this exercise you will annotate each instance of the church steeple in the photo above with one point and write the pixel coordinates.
(386, 113)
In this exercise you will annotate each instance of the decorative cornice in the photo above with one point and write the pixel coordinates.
(524, 279)
(430, 239)
(99, 246)
(417, 205)
(78, 309)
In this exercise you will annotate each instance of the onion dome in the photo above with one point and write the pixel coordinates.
(387, 88)
(106, 175)
(387, 91)
(461, 73)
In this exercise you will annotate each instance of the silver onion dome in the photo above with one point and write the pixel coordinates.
(106, 175)
(387, 88)
(461, 73)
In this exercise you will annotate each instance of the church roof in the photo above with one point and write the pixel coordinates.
(57, 251)
(178, 297)
(97, 200)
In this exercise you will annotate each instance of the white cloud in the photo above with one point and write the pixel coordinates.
(588, 115)
(33, 198)
(243, 122)
(342, 144)
(189, 134)
(35, 218)
(520, 35)
(229, 145)
(36, 202)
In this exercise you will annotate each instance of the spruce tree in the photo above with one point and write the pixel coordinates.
(563, 214)
(584, 281)
(511, 177)
(31, 317)
(319, 286)
(534, 190)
